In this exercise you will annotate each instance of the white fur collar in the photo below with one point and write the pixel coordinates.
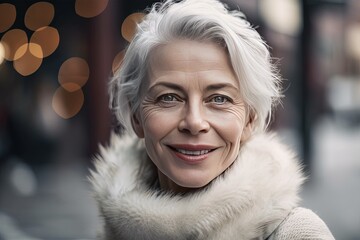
(247, 202)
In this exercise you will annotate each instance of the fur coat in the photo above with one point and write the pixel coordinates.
(251, 200)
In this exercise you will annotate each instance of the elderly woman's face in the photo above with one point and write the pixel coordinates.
(192, 116)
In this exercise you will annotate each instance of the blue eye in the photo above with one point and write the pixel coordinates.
(219, 99)
(167, 98)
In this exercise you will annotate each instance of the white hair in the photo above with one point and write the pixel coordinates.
(201, 20)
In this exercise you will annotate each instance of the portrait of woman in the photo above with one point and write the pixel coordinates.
(194, 95)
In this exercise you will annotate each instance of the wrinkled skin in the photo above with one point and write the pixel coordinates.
(192, 115)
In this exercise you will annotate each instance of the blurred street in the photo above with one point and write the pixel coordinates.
(334, 188)
(60, 208)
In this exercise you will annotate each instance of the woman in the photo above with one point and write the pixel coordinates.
(194, 94)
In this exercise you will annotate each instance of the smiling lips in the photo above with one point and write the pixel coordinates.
(192, 154)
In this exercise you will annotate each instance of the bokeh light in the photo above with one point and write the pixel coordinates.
(27, 64)
(118, 61)
(128, 27)
(67, 104)
(352, 39)
(38, 15)
(283, 16)
(2, 53)
(73, 74)
(12, 41)
(7, 16)
(90, 8)
(23, 179)
(36, 50)
(48, 38)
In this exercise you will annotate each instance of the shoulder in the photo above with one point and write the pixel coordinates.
(302, 223)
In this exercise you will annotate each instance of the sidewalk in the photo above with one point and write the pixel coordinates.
(60, 208)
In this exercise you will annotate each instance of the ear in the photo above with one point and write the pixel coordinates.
(137, 125)
(249, 127)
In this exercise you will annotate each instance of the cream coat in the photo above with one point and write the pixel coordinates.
(255, 196)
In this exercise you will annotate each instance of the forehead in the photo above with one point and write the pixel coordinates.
(190, 56)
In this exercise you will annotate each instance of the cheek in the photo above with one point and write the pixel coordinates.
(230, 124)
(157, 122)
(153, 132)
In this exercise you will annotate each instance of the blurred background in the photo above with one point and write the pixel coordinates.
(57, 56)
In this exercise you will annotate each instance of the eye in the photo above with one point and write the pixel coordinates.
(219, 99)
(167, 98)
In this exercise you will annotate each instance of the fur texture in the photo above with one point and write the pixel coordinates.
(248, 201)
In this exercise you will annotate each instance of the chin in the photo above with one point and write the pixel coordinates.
(193, 182)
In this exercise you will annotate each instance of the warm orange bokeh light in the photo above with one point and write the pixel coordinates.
(73, 74)
(90, 8)
(36, 50)
(12, 41)
(67, 104)
(7, 16)
(38, 15)
(21, 51)
(27, 64)
(128, 27)
(48, 38)
(2, 52)
(118, 61)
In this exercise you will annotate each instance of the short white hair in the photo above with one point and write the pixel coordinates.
(200, 20)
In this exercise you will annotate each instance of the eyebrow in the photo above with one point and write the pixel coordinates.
(220, 86)
(167, 84)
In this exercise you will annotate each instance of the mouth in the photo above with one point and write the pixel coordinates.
(192, 152)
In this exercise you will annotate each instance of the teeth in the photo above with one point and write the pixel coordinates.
(195, 153)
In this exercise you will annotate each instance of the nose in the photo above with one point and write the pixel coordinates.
(194, 120)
